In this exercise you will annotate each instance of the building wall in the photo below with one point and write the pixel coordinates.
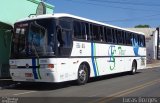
(149, 49)
(12, 10)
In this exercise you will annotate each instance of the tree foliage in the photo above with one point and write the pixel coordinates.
(142, 26)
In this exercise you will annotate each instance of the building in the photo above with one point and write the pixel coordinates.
(156, 43)
(11, 11)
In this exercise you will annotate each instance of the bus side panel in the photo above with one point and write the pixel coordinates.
(67, 68)
(108, 58)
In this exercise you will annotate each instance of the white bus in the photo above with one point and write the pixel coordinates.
(63, 47)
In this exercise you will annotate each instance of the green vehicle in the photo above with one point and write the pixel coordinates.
(5, 41)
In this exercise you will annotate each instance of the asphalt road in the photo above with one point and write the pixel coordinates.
(146, 83)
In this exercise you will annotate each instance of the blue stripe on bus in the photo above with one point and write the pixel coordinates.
(34, 68)
(92, 57)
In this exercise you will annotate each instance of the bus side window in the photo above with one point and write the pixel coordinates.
(144, 43)
(101, 33)
(96, 35)
(138, 38)
(64, 36)
(132, 40)
(128, 38)
(105, 35)
(77, 30)
(123, 38)
(142, 40)
(114, 35)
(119, 37)
(109, 35)
(83, 31)
(87, 31)
(91, 31)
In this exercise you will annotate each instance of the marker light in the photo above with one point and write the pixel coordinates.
(50, 66)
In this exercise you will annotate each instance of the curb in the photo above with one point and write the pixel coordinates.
(153, 66)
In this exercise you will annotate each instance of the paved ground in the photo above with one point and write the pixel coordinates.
(144, 83)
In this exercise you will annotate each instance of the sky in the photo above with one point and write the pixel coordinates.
(123, 13)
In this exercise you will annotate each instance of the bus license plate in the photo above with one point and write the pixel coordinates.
(28, 75)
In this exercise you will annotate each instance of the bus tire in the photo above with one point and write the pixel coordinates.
(134, 68)
(83, 74)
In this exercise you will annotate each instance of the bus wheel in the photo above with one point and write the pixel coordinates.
(134, 68)
(82, 74)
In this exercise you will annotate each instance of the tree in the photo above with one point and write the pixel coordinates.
(142, 26)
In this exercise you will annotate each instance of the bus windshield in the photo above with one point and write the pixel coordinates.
(34, 38)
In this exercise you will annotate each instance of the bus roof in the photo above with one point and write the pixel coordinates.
(59, 15)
